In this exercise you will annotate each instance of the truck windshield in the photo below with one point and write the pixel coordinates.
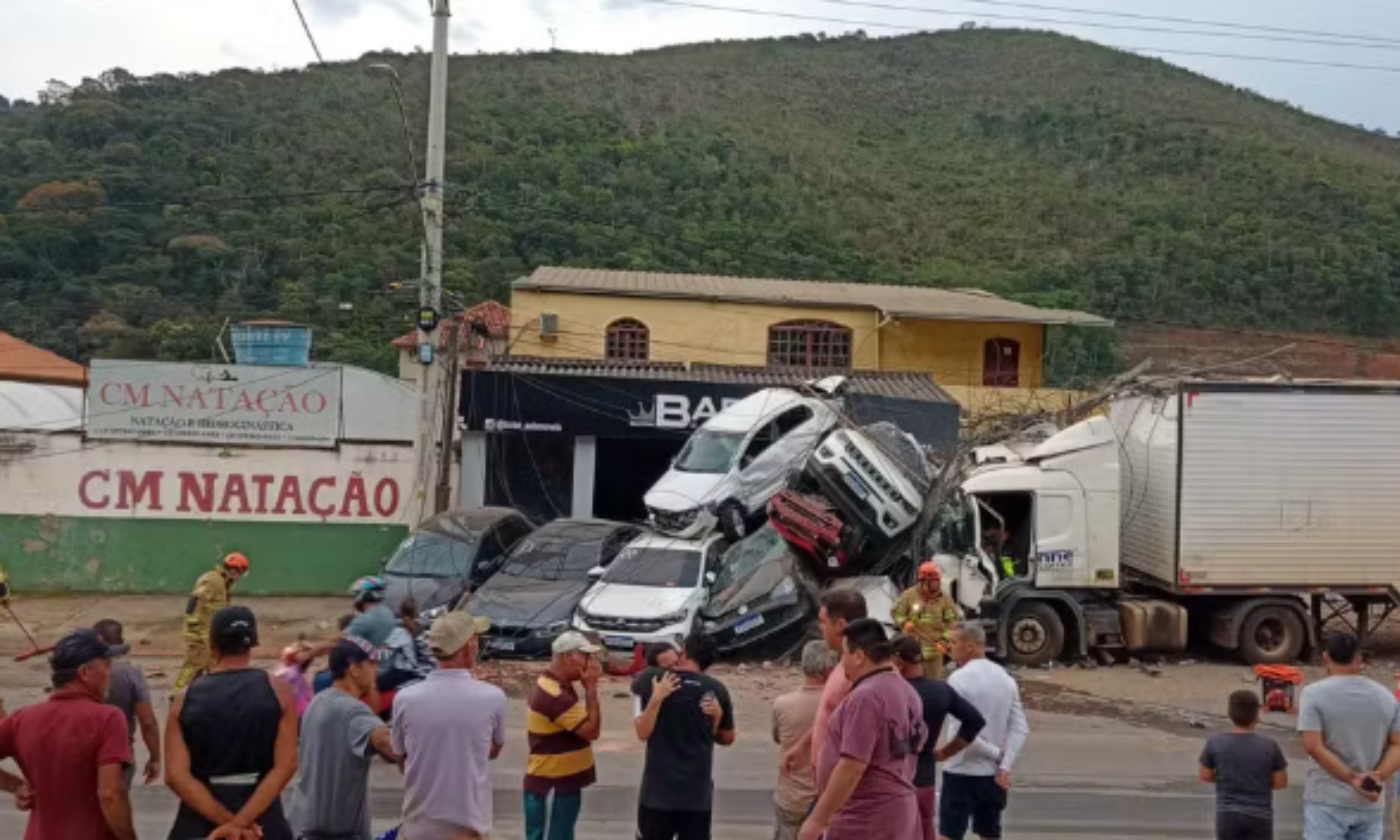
(709, 452)
(952, 530)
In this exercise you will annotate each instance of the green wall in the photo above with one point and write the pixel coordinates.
(52, 554)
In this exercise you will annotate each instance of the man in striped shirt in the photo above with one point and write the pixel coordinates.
(562, 731)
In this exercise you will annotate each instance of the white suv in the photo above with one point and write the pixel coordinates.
(869, 473)
(651, 592)
(734, 463)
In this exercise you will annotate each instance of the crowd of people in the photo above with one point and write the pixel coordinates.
(859, 739)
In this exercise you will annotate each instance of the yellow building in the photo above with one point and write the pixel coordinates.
(983, 349)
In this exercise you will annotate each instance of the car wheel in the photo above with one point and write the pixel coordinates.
(732, 522)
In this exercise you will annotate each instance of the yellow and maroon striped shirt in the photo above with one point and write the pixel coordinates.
(559, 759)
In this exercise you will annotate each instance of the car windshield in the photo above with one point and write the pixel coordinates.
(765, 546)
(709, 452)
(655, 566)
(426, 554)
(552, 560)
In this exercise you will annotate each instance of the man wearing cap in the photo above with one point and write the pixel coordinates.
(925, 613)
(211, 594)
(561, 733)
(339, 738)
(72, 748)
(448, 728)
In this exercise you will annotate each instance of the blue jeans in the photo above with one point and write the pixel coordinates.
(561, 818)
(1338, 822)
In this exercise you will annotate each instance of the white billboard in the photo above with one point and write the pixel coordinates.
(201, 403)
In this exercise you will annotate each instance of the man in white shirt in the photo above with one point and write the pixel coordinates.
(976, 781)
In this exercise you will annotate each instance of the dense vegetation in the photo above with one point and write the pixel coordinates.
(1029, 164)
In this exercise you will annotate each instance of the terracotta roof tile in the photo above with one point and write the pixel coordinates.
(23, 362)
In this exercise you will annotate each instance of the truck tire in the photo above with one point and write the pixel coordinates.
(1035, 635)
(732, 521)
(1272, 635)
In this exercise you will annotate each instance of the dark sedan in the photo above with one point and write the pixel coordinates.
(531, 600)
(762, 596)
(450, 555)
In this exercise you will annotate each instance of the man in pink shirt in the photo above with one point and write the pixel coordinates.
(866, 773)
(838, 609)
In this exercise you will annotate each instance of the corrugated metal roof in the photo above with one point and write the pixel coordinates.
(22, 361)
(31, 407)
(893, 301)
(898, 384)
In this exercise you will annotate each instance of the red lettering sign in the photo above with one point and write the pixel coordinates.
(240, 495)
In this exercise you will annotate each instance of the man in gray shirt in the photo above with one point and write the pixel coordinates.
(128, 692)
(1351, 729)
(339, 737)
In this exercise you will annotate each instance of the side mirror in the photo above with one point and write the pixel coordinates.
(596, 572)
(709, 578)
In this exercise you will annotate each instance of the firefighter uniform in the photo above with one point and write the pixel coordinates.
(932, 621)
(211, 594)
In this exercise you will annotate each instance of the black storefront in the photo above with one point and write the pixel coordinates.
(569, 437)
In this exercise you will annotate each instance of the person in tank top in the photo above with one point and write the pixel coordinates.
(231, 742)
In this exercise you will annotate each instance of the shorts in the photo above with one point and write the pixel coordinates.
(1243, 827)
(970, 800)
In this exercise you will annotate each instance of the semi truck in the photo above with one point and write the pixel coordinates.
(1244, 515)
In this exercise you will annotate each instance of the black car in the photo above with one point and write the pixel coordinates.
(762, 595)
(531, 600)
(450, 555)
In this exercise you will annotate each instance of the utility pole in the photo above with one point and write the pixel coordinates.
(443, 490)
(431, 452)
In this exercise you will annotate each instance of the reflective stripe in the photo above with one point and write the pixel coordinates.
(238, 779)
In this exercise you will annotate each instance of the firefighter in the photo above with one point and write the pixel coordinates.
(925, 613)
(211, 594)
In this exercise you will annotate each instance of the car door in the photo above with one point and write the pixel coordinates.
(787, 441)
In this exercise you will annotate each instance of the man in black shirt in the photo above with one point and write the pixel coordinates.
(681, 713)
(940, 701)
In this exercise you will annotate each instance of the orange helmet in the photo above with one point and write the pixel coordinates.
(237, 562)
(930, 571)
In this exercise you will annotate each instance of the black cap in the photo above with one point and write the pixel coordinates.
(234, 627)
(908, 648)
(351, 650)
(80, 647)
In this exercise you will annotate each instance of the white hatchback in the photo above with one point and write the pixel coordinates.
(738, 460)
(651, 592)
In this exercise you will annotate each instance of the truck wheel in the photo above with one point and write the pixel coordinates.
(1272, 636)
(1035, 635)
(732, 522)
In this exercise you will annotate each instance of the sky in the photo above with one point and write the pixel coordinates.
(70, 39)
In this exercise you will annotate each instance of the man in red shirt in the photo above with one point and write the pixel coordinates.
(72, 748)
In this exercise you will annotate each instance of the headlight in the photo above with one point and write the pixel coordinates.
(710, 626)
(435, 612)
(786, 588)
(673, 618)
(553, 629)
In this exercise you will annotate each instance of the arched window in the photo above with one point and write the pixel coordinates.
(1001, 363)
(809, 344)
(628, 339)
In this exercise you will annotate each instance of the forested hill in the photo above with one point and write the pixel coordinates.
(1029, 164)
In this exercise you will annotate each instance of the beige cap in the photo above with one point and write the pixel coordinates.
(451, 632)
(571, 641)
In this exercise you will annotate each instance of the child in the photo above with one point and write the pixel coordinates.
(1246, 769)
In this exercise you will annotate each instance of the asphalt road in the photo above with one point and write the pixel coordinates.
(746, 814)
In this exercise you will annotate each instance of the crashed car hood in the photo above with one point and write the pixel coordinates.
(755, 586)
(527, 602)
(681, 491)
(619, 600)
(430, 592)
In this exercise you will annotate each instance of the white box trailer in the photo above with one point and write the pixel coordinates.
(1230, 485)
(1255, 512)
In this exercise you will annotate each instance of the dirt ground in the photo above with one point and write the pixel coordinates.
(1184, 692)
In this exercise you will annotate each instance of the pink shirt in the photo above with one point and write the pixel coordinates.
(835, 690)
(880, 723)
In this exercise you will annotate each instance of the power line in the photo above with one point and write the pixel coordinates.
(1219, 24)
(1122, 27)
(296, 4)
(189, 201)
(691, 4)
